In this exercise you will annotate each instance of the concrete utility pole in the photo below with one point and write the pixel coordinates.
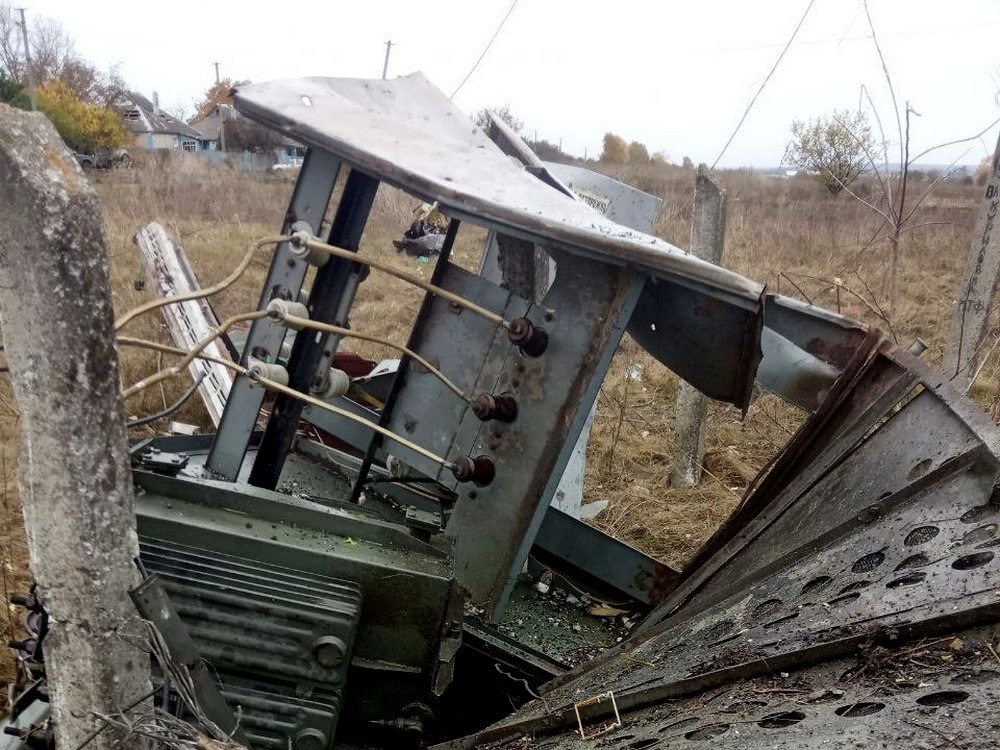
(385, 65)
(708, 236)
(27, 61)
(974, 300)
(74, 478)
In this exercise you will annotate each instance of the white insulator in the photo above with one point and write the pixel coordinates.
(268, 370)
(279, 308)
(297, 247)
(337, 384)
(396, 468)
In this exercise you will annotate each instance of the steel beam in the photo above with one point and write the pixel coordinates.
(329, 302)
(404, 365)
(284, 280)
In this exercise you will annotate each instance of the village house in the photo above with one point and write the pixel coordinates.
(154, 128)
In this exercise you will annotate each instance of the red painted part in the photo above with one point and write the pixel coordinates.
(354, 365)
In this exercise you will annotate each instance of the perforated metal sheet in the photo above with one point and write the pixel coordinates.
(916, 698)
(879, 525)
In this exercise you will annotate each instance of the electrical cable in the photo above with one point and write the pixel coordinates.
(170, 409)
(190, 355)
(279, 388)
(337, 252)
(296, 321)
(762, 85)
(485, 50)
(199, 293)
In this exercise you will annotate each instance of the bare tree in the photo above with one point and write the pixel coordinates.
(54, 57)
(482, 118)
(893, 203)
(11, 54)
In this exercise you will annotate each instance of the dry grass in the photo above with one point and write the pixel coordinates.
(787, 233)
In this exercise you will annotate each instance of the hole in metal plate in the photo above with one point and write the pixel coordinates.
(840, 601)
(719, 629)
(914, 561)
(977, 514)
(975, 678)
(854, 710)
(678, 725)
(975, 560)
(776, 623)
(868, 563)
(707, 732)
(782, 720)
(921, 535)
(919, 469)
(816, 584)
(855, 586)
(982, 534)
(943, 698)
(910, 579)
(764, 610)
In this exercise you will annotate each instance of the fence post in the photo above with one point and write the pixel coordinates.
(74, 477)
(974, 300)
(708, 232)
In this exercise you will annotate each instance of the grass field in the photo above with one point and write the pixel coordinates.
(789, 234)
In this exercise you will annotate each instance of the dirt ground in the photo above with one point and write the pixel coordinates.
(789, 234)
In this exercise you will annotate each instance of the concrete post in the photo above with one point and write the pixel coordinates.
(974, 300)
(74, 477)
(708, 232)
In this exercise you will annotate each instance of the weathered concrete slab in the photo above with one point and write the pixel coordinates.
(75, 482)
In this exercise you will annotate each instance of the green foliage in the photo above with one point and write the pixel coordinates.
(84, 127)
(615, 151)
(482, 118)
(837, 148)
(13, 93)
(638, 153)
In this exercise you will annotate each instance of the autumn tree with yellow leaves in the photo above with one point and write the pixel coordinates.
(219, 93)
(84, 127)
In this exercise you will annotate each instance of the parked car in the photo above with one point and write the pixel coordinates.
(105, 158)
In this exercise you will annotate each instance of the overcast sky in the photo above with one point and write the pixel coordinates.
(676, 76)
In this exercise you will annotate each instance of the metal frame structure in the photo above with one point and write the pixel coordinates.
(348, 590)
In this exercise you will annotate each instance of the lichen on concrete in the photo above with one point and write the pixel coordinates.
(75, 481)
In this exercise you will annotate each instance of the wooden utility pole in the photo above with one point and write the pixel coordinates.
(708, 235)
(974, 299)
(74, 477)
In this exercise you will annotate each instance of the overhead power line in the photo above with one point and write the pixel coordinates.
(485, 50)
(762, 85)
